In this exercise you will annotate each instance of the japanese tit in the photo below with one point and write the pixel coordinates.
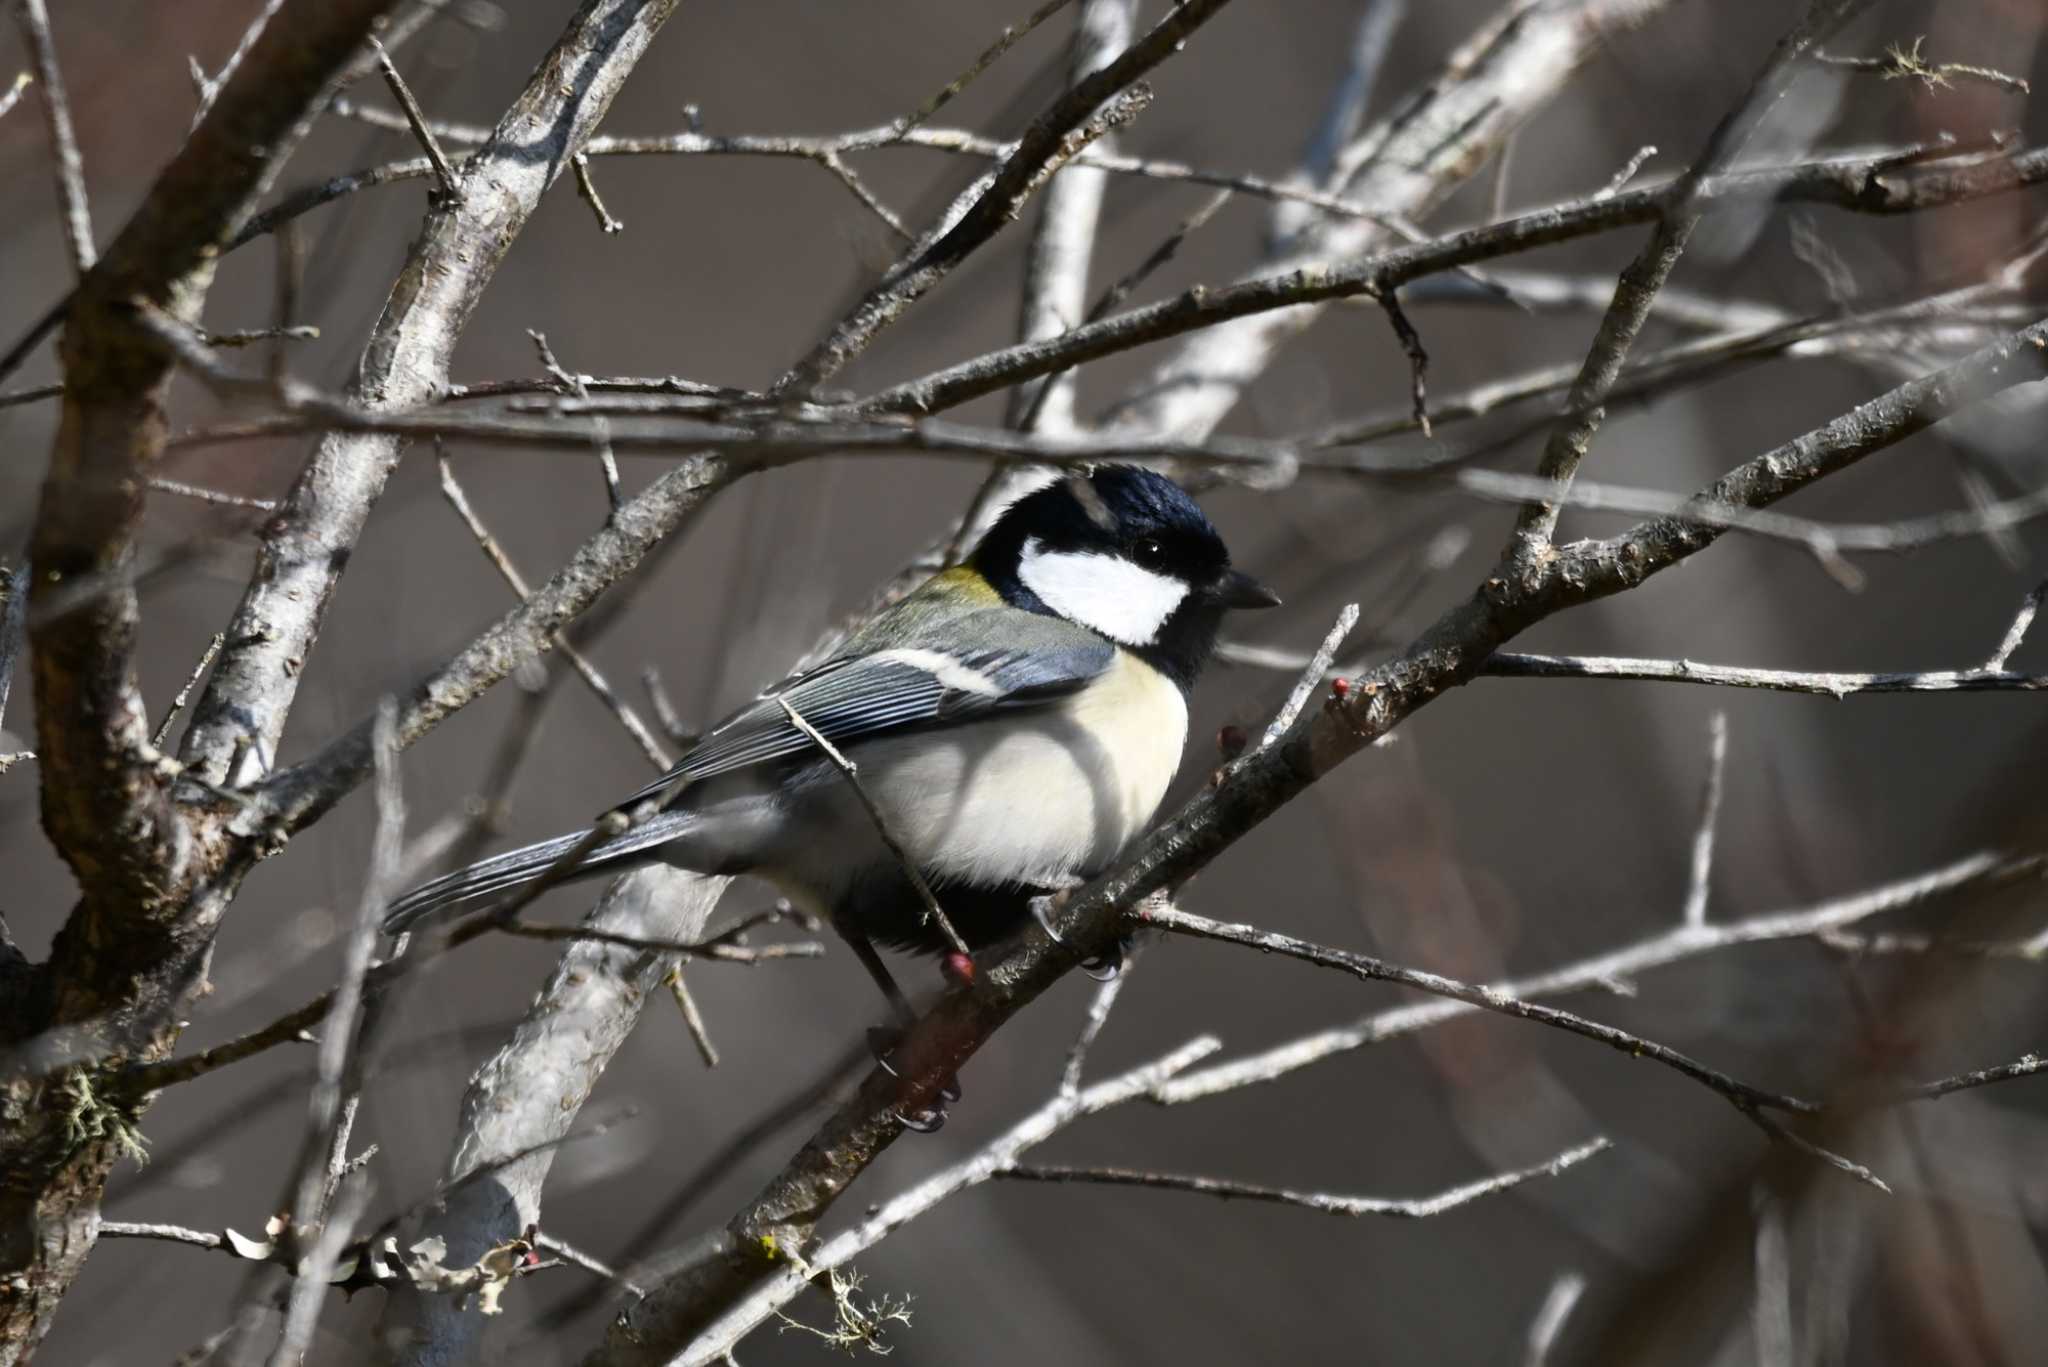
(1015, 720)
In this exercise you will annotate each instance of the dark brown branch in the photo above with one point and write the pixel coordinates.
(1636, 293)
(134, 945)
(1865, 185)
(1085, 111)
(1449, 653)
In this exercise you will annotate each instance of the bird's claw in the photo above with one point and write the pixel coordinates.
(882, 1042)
(1041, 911)
(1107, 966)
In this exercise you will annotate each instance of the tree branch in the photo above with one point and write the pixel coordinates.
(128, 952)
(464, 241)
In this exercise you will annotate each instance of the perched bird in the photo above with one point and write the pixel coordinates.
(1015, 721)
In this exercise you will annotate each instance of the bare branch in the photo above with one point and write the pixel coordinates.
(637, 1336)
(600, 430)
(161, 485)
(1981, 871)
(1861, 184)
(209, 87)
(592, 677)
(2016, 633)
(1090, 108)
(851, 773)
(1903, 62)
(1063, 241)
(1700, 879)
(1005, 40)
(1401, 166)
(451, 184)
(1510, 665)
(406, 363)
(524, 1100)
(587, 188)
(206, 658)
(1312, 675)
(76, 215)
(2025, 1066)
(1747, 1098)
(1545, 1329)
(693, 1016)
(1326, 1203)
(135, 943)
(1636, 292)
(12, 95)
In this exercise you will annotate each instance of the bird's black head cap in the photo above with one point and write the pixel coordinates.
(1127, 553)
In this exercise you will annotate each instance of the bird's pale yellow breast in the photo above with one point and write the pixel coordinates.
(1035, 797)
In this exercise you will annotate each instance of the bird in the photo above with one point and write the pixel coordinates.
(1012, 725)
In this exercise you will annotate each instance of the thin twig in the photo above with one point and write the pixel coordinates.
(1699, 883)
(1327, 1203)
(77, 215)
(1830, 684)
(208, 87)
(1548, 1325)
(693, 1016)
(1636, 292)
(1981, 871)
(1418, 357)
(574, 1256)
(1752, 1101)
(717, 947)
(1088, 109)
(338, 1081)
(592, 677)
(2016, 633)
(206, 658)
(836, 164)
(600, 430)
(1004, 42)
(13, 625)
(933, 911)
(12, 95)
(451, 184)
(1902, 62)
(226, 500)
(1312, 675)
(1062, 250)
(679, 732)
(1099, 1007)
(1627, 173)
(586, 188)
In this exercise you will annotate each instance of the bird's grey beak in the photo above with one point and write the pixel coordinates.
(1239, 590)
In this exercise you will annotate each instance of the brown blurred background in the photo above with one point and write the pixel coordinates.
(1514, 826)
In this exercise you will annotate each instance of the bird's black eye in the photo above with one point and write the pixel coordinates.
(1149, 551)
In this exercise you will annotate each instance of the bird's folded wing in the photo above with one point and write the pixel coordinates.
(855, 696)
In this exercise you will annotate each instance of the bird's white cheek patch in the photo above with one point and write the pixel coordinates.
(1123, 601)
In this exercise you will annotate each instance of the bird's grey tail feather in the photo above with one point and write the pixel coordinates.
(512, 869)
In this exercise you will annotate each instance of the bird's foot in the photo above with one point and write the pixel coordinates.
(883, 1041)
(1107, 966)
(1042, 909)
